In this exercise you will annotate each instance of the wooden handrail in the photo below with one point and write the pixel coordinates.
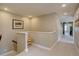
(14, 41)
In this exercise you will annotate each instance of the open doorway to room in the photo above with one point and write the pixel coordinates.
(66, 32)
(68, 28)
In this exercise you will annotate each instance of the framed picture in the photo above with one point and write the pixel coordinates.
(17, 24)
(77, 23)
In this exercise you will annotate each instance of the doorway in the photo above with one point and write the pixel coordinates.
(68, 28)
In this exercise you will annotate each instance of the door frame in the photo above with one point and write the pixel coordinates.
(59, 30)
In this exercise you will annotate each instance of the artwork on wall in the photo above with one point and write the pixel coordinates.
(17, 24)
(77, 20)
(77, 23)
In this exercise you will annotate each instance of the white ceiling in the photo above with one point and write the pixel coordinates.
(37, 9)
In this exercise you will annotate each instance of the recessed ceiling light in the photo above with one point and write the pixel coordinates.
(63, 5)
(65, 13)
(30, 16)
(5, 9)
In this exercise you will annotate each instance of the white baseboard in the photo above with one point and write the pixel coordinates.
(54, 44)
(7, 53)
(66, 41)
(47, 48)
(41, 46)
(26, 50)
(77, 48)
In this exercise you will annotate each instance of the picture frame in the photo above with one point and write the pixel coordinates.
(17, 24)
(77, 23)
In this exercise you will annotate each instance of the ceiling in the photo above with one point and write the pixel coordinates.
(37, 9)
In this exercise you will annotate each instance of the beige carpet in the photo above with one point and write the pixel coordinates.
(61, 49)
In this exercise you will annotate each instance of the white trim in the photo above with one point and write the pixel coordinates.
(42, 32)
(66, 41)
(73, 30)
(41, 46)
(26, 50)
(77, 48)
(59, 36)
(25, 32)
(7, 53)
(46, 48)
(54, 44)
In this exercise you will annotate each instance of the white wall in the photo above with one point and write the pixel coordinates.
(27, 24)
(76, 34)
(46, 23)
(8, 34)
(46, 39)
